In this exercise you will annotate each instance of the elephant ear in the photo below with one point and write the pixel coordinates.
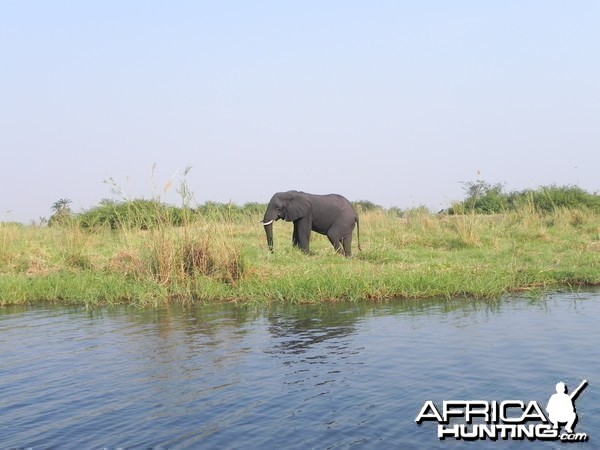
(297, 207)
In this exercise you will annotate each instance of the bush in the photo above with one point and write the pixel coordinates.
(482, 198)
(140, 214)
(550, 198)
(486, 198)
(366, 206)
(230, 211)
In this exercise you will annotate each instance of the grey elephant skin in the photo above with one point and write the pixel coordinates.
(331, 215)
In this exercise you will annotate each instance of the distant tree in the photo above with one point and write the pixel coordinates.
(483, 198)
(61, 205)
(62, 212)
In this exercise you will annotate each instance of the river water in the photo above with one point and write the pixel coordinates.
(345, 375)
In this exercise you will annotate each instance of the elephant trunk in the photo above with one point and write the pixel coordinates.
(269, 232)
(271, 215)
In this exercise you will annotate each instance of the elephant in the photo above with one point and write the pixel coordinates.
(331, 215)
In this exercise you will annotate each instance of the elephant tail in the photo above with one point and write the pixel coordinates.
(358, 233)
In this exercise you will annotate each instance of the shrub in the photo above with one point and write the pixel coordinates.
(366, 206)
(230, 211)
(551, 198)
(486, 198)
(482, 198)
(139, 214)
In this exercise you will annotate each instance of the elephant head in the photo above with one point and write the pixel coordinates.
(289, 206)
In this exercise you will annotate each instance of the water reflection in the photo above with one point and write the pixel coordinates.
(308, 327)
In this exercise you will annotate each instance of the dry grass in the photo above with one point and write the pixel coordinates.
(215, 259)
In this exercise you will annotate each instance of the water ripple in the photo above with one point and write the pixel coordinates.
(329, 376)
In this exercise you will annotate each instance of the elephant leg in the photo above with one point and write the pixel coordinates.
(302, 228)
(295, 240)
(342, 244)
(336, 242)
(347, 243)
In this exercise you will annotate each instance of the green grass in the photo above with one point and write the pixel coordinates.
(224, 258)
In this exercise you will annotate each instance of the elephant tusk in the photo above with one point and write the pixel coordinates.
(267, 223)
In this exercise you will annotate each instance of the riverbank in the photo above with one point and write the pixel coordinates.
(218, 259)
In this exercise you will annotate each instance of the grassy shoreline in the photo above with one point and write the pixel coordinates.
(223, 259)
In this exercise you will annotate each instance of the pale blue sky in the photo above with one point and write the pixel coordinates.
(390, 101)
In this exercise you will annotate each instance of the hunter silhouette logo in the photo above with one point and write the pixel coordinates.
(508, 419)
(561, 408)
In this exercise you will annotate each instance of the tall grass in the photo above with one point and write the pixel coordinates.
(221, 254)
